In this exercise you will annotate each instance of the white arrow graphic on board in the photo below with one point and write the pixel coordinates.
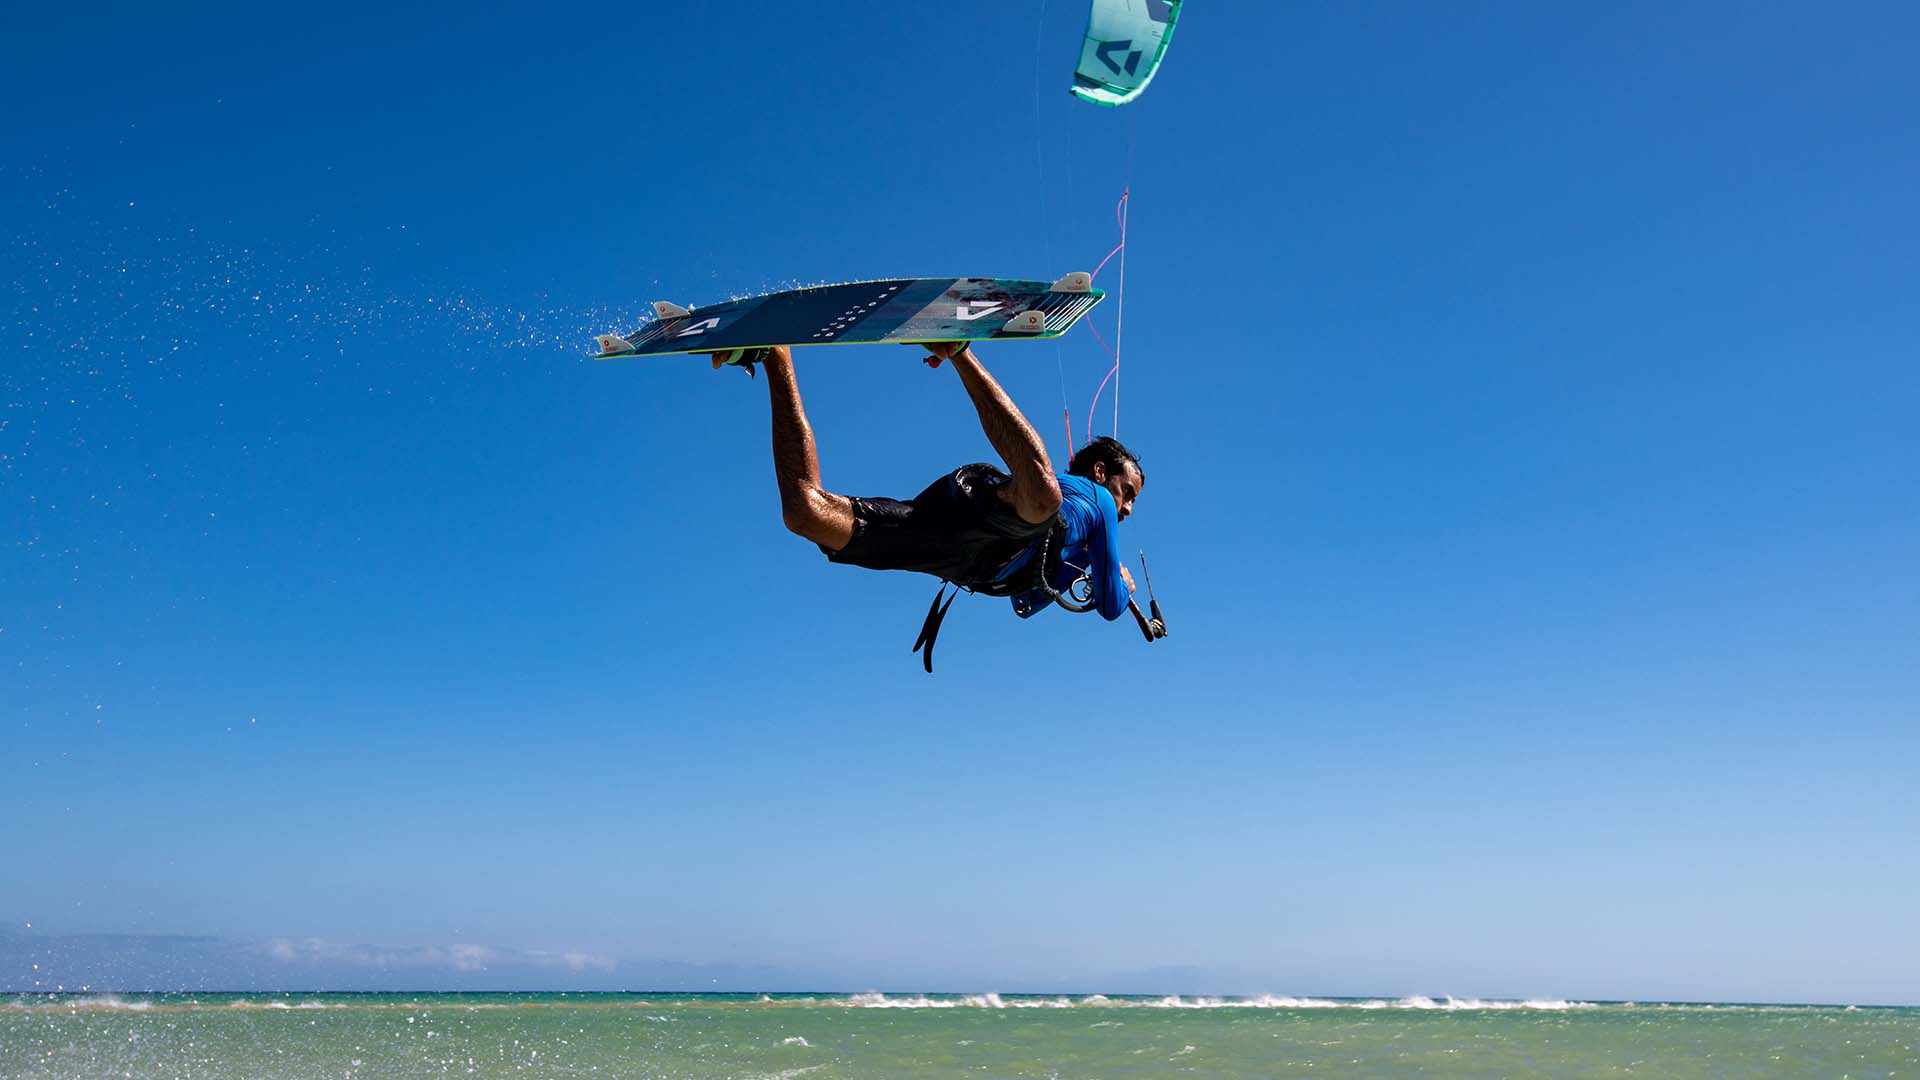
(700, 327)
(974, 309)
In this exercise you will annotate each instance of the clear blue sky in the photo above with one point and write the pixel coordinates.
(1527, 397)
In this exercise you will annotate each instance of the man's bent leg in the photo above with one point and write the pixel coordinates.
(808, 509)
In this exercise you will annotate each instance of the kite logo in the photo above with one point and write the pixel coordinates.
(974, 309)
(700, 327)
(1108, 48)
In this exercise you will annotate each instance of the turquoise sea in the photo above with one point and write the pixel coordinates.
(825, 1037)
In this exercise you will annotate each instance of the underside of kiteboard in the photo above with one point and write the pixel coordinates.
(903, 310)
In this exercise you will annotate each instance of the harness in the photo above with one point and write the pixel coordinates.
(1078, 597)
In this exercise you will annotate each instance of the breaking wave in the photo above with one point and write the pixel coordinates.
(82, 1003)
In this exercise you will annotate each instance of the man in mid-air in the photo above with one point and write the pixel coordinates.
(1024, 533)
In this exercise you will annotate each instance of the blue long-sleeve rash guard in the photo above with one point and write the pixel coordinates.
(1093, 542)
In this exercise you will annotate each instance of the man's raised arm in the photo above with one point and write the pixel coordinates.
(1034, 493)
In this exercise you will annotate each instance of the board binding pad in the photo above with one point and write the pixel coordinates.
(912, 311)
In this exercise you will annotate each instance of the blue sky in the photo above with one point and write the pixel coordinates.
(1526, 397)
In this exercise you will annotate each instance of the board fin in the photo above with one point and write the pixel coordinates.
(613, 344)
(1027, 322)
(666, 309)
(1077, 282)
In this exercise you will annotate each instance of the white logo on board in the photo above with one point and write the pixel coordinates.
(974, 309)
(700, 327)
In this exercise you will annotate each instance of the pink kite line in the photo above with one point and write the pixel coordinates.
(1120, 216)
(1095, 330)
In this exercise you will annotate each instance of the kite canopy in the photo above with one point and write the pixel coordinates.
(1125, 41)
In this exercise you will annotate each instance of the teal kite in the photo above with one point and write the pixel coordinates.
(1124, 43)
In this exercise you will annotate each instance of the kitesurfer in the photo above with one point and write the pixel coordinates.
(1024, 532)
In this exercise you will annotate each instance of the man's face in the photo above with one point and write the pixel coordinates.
(1124, 485)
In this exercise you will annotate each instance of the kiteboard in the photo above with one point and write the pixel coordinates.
(905, 310)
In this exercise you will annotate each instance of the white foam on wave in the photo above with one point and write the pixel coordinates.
(1453, 1004)
(102, 1003)
(967, 1001)
(795, 1040)
(37, 1003)
(1263, 1001)
(921, 1001)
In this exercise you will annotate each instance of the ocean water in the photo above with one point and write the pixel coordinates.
(825, 1037)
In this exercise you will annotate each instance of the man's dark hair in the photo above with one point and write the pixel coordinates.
(1107, 451)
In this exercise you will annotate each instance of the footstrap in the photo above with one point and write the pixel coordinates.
(930, 629)
(746, 358)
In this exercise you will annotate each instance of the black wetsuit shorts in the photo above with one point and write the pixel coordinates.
(958, 529)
